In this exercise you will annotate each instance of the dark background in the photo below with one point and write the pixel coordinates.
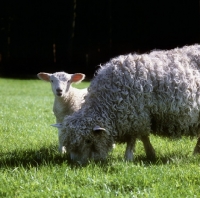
(87, 33)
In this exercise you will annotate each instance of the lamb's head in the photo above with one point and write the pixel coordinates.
(61, 81)
(86, 141)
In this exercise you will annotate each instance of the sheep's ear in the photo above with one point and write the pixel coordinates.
(44, 76)
(77, 77)
(57, 125)
(99, 130)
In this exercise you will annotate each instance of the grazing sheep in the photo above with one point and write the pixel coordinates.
(132, 96)
(67, 98)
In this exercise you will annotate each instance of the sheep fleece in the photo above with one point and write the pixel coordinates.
(133, 94)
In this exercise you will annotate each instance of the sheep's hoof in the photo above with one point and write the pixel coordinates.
(152, 157)
(197, 147)
(128, 157)
(196, 150)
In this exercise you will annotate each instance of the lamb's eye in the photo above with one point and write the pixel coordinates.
(88, 141)
(51, 80)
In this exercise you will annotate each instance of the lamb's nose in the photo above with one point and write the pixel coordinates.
(59, 91)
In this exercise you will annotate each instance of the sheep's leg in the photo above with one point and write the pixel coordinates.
(150, 152)
(130, 148)
(197, 147)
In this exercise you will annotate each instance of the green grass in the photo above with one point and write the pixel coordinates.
(30, 165)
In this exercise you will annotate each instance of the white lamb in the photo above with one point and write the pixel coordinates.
(67, 98)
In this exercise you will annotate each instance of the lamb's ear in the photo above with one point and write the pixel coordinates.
(99, 130)
(57, 125)
(44, 76)
(77, 77)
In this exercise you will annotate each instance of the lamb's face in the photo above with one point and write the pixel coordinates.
(88, 144)
(60, 83)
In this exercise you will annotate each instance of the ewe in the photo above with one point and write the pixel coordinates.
(132, 96)
(67, 98)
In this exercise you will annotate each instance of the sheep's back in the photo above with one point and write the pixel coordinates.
(157, 91)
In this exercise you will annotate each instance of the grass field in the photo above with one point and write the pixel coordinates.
(30, 165)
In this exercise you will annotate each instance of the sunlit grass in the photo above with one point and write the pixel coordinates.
(30, 165)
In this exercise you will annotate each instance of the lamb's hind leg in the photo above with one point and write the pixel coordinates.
(197, 147)
(150, 152)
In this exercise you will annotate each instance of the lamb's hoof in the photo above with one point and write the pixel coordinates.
(63, 150)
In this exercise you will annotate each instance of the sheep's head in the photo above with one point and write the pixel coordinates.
(61, 81)
(85, 144)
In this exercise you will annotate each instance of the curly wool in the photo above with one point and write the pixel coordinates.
(158, 92)
(136, 94)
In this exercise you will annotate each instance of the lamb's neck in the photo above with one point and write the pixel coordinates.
(62, 107)
(63, 99)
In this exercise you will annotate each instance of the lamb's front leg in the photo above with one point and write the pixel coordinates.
(130, 148)
(61, 148)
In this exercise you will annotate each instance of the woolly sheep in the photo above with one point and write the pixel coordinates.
(67, 98)
(132, 96)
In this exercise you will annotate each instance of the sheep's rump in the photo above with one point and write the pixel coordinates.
(157, 92)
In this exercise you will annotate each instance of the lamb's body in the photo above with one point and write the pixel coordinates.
(67, 98)
(68, 103)
(134, 95)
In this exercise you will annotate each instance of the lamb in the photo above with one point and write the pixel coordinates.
(67, 98)
(133, 96)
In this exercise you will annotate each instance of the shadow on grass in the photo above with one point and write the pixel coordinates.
(112, 161)
(169, 158)
(33, 158)
(50, 156)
